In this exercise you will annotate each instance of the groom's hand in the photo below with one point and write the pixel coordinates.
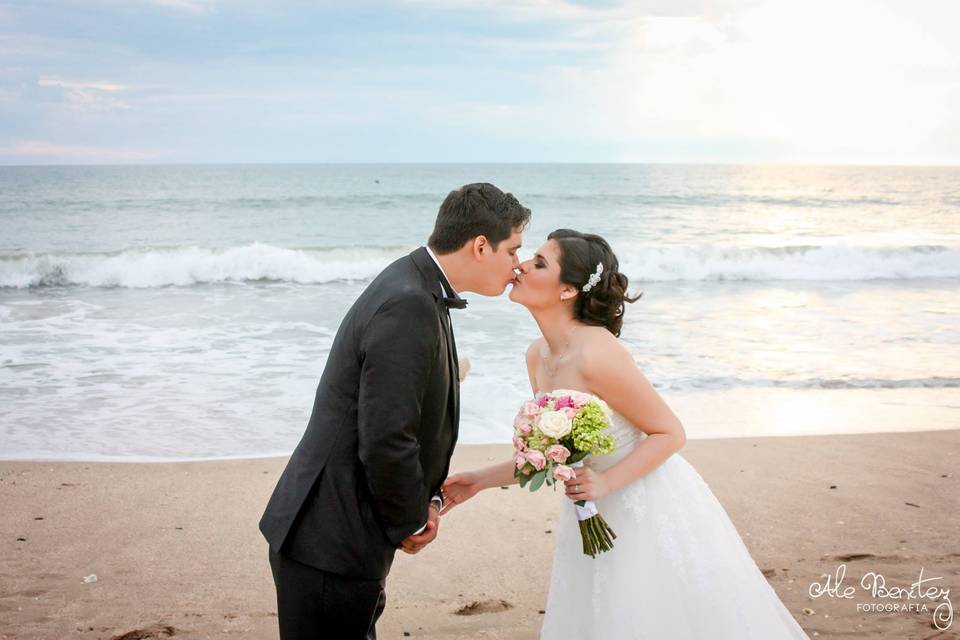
(415, 543)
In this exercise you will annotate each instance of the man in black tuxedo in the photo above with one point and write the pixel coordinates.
(365, 479)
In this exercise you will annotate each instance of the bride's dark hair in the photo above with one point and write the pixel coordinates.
(603, 304)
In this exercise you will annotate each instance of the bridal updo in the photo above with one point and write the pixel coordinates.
(603, 304)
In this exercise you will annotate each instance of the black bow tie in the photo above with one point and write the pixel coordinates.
(455, 303)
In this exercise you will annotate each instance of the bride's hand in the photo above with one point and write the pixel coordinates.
(588, 485)
(459, 488)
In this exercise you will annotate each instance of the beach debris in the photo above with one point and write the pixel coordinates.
(807, 611)
(483, 606)
(910, 504)
(833, 486)
(21, 539)
(769, 573)
(847, 557)
(541, 612)
(38, 518)
(504, 488)
(147, 633)
(406, 634)
(90, 578)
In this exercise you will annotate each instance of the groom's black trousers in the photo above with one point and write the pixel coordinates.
(318, 605)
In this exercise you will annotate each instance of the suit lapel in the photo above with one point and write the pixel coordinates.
(454, 373)
(438, 285)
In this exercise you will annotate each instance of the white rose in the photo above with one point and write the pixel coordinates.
(555, 424)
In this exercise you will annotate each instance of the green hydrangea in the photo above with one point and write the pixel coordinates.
(589, 431)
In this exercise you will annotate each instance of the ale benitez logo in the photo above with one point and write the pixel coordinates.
(926, 595)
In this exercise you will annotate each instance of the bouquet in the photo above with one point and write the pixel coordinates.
(553, 433)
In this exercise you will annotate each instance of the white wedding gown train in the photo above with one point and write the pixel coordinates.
(678, 570)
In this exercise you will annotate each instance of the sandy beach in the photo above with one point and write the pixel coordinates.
(176, 551)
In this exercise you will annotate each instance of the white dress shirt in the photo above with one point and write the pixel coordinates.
(440, 266)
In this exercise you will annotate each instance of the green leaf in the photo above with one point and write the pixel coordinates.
(538, 479)
(524, 479)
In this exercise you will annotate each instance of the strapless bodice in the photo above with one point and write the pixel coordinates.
(625, 435)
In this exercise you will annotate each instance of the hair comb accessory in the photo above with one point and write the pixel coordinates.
(594, 279)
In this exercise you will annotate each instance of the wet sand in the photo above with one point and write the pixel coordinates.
(176, 551)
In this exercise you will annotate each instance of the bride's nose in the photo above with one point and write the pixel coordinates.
(524, 267)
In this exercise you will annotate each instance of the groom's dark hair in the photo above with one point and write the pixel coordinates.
(478, 209)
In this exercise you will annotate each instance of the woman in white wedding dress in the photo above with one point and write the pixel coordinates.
(678, 570)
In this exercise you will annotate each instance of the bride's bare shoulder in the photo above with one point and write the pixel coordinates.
(535, 349)
(600, 348)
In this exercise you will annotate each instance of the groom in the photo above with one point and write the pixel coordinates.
(365, 479)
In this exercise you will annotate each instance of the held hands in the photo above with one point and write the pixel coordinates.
(587, 485)
(415, 543)
(459, 488)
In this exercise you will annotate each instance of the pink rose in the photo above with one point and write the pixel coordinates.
(537, 459)
(564, 401)
(520, 460)
(558, 453)
(519, 444)
(570, 412)
(530, 409)
(580, 399)
(562, 473)
(524, 430)
(543, 401)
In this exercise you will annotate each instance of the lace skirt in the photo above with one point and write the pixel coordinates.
(678, 570)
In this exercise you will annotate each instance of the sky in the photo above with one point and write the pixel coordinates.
(725, 81)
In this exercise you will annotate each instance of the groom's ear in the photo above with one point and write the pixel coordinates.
(480, 245)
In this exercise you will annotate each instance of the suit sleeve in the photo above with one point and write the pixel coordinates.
(399, 347)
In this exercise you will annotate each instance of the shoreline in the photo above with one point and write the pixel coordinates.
(153, 460)
(176, 543)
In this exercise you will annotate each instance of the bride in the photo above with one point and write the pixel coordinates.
(678, 569)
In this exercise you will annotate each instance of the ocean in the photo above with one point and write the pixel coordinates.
(180, 312)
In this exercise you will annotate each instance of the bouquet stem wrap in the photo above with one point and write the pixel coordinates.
(596, 534)
(552, 434)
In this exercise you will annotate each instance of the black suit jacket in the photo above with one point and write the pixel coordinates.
(383, 428)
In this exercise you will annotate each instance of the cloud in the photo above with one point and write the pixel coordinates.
(589, 11)
(188, 6)
(81, 85)
(83, 95)
(817, 82)
(52, 151)
(510, 80)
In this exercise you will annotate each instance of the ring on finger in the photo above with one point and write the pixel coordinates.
(576, 489)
